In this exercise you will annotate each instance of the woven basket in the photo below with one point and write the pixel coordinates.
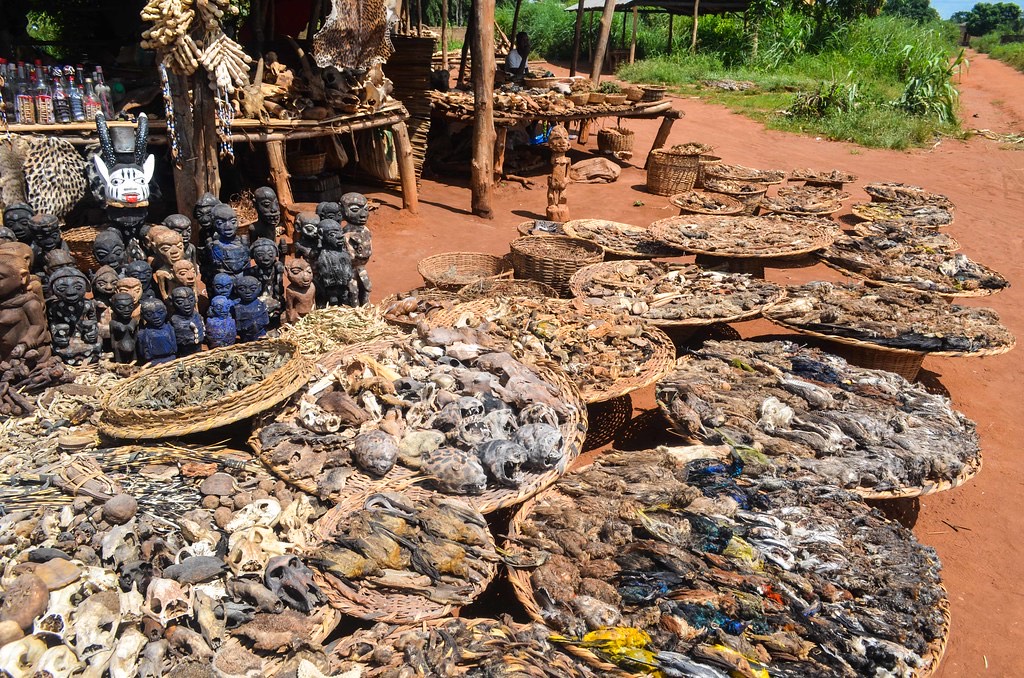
(530, 83)
(732, 207)
(605, 420)
(505, 287)
(529, 228)
(139, 424)
(612, 139)
(380, 605)
(307, 165)
(602, 232)
(670, 173)
(750, 199)
(406, 480)
(80, 242)
(745, 174)
(633, 93)
(596, 98)
(706, 161)
(580, 98)
(546, 258)
(615, 99)
(432, 294)
(454, 270)
(653, 92)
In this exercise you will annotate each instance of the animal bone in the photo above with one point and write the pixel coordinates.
(96, 622)
(250, 549)
(19, 657)
(154, 659)
(214, 630)
(57, 662)
(165, 600)
(125, 662)
(262, 512)
(293, 583)
(189, 643)
(256, 593)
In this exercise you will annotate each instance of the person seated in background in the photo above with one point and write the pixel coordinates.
(515, 62)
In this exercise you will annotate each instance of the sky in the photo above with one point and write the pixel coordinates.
(946, 7)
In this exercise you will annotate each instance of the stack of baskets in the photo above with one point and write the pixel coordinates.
(615, 139)
(674, 170)
(654, 92)
(706, 160)
(553, 259)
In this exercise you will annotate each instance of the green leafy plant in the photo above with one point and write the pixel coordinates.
(929, 89)
(828, 98)
(609, 87)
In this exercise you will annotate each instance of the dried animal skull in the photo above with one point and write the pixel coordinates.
(57, 662)
(293, 583)
(96, 622)
(125, 662)
(262, 512)
(19, 657)
(251, 548)
(165, 600)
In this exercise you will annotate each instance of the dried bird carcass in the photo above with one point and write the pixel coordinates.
(806, 414)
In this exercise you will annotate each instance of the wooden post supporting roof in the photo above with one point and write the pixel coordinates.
(671, 17)
(632, 41)
(577, 34)
(602, 41)
(515, 26)
(693, 37)
(466, 44)
(482, 173)
(444, 34)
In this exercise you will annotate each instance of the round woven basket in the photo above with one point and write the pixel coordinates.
(118, 421)
(596, 98)
(530, 228)
(653, 92)
(538, 82)
(383, 605)
(732, 206)
(454, 270)
(706, 160)
(307, 165)
(615, 99)
(745, 174)
(580, 98)
(633, 93)
(406, 480)
(669, 173)
(605, 420)
(432, 295)
(750, 199)
(612, 139)
(80, 242)
(552, 259)
(505, 287)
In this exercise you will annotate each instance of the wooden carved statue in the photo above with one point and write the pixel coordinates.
(123, 327)
(126, 184)
(335, 280)
(559, 180)
(75, 315)
(168, 249)
(299, 294)
(182, 225)
(356, 212)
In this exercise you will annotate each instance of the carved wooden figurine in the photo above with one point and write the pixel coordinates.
(124, 327)
(203, 214)
(307, 236)
(228, 251)
(250, 313)
(182, 225)
(126, 183)
(108, 250)
(155, 342)
(104, 286)
(299, 294)
(168, 248)
(270, 272)
(46, 238)
(220, 324)
(17, 217)
(189, 331)
(69, 307)
(143, 272)
(559, 180)
(268, 215)
(356, 211)
(333, 275)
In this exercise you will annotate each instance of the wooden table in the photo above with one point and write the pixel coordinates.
(274, 134)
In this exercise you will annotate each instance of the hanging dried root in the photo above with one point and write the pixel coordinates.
(211, 12)
(227, 63)
(171, 21)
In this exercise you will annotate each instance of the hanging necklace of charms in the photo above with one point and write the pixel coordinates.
(225, 113)
(172, 126)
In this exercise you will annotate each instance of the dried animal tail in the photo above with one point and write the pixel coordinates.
(106, 145)
(141, 139)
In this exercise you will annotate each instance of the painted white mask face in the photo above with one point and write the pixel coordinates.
(128, 184)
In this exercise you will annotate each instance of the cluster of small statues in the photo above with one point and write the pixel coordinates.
(156, 295)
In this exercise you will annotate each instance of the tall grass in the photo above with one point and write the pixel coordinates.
(1011, 53)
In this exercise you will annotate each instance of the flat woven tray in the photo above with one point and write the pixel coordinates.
(360, 484)
(737, 236)
(660, 363)
(427, 295)
(925, 216)
(453, 270)
(118, 421)
(365, 602)
(834, 178)
(892, 191)
(545, 228)
(582, 279)
(746, 174)
(730, 205)
(959, 294)
(505, 287)
(929, 238)
(624, 240)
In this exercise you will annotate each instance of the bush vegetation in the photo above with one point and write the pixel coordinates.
(1012, 52)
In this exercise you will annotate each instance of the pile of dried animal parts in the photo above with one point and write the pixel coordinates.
(891, 234)
(802, 413)
(664, 562)
(821, 178)
(925, 216)
(741, 173)
(619, 238)
(939, 272)
(472, 647)
(905, 194)
(435, 548)
(599, 351)
(700, 202)
(328, 329)
(451, 407)
(765, 236)
(408, 308)
(673, 293)
(805, 200)
(891, 317)
(109, 586)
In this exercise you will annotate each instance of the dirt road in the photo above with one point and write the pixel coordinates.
(977, 529)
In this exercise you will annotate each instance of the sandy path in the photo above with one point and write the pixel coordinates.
(977, 529)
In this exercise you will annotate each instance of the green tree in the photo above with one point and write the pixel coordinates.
(986, 17)
(918, 10)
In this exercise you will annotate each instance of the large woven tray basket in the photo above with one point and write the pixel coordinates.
(121, 421)
(360, 484)
(545, 258)
(454, 270)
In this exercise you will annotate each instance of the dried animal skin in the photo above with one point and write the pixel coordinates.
(891, 317)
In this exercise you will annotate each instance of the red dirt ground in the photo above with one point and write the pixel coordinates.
(977, 529)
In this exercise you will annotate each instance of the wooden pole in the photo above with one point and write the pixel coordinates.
(590, 36)
(482, 174)
(671, 17)
(406, 167)
(693, 36)
(576, 36)
(204, 128)
(419, 18)
(515, 25)
(185, 185)
(444, 34)
(279, 172)
(470, 36)
(501, 133)
(632, 41)
(602, 41)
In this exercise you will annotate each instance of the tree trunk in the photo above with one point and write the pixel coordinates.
(602, 41)
(444, 34)
(482, 174)
(671, 19)
(576, 36)
(515, 25)
(470, 36)
(632, 41)
(693, 36)
(419, 18)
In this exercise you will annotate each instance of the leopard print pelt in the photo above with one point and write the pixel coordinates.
(54, 176)
(354, 35)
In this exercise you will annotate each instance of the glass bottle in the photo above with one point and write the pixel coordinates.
(43, 98)
(90, 101)
(59, 98)
(7, 93)
(75, 94)
(103, 94)
(25, 110)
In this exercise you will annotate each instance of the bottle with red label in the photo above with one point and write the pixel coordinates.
(43, 98)
(59, 97)
(25, 107)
